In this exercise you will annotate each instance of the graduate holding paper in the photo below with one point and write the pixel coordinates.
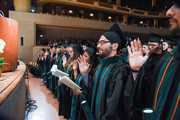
(75, 51)
(87, 65)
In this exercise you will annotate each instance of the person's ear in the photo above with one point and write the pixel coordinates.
(115, 46)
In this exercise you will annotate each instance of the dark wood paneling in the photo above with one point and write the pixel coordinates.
(86, 1)
(138, 12)
(123, 9)
(105, 5)
(153, 13)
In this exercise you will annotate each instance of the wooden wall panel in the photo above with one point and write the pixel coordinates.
(55, 33)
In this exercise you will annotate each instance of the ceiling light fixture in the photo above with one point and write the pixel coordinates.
(70, 11)
(141, 22)
(91, 14)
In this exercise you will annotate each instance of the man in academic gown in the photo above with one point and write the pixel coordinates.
(143, 90)
(167, 92)
(110, 77)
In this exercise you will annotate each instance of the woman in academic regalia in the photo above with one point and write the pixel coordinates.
(75, 50)
(90, 60)
(40, 61)
(48, 67)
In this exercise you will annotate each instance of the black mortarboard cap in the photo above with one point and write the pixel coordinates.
(58, 46)
(168, 41)
(129, 39)
(51, 47)
(55, 46)
(43, 50)
(48, 50)
(177, 2)
(85, 43)
(115, 35)
(155, 38)
(68, 44)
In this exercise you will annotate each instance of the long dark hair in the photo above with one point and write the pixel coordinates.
(94, 61)
(77, 52)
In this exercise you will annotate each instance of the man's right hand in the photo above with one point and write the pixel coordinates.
(136, 58)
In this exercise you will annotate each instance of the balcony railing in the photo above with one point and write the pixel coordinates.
(95, 4)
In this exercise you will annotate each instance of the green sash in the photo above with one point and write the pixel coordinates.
(164, 82)
(99, 84)
(75, 99)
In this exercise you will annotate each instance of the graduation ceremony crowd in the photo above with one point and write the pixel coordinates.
(120, 80)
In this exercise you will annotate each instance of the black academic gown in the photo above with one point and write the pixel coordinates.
(142, 93)
(40, 64)
(48, 68)
(108, 88)
(35, 71)
(66, 96)
(77, 112)
(53, 81)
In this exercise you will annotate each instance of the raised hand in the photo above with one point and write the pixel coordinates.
(83, 65)
(52, 52)
(75, 65)
(56, 56)
(135, 57)
(64, 60)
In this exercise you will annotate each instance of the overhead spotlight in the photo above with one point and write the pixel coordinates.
(41, 36)
(70, 11)
(91, 14)
(165, 6)
(141, 22)
(109, 17)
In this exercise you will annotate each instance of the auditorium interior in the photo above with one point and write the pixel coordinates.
(28, 26)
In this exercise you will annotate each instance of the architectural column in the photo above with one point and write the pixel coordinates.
(153, 3)
(156, 23)
(118, 2)
(22, 5)
(125, 19)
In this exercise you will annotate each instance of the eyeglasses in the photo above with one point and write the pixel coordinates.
(102, 42)
(153, 45)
